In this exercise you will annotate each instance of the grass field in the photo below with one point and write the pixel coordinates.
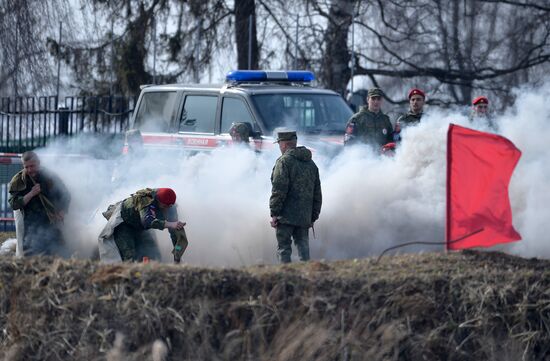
(457, 306)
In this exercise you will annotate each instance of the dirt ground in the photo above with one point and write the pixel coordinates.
(457, 306)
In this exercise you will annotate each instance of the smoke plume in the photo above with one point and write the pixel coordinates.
(370, 202)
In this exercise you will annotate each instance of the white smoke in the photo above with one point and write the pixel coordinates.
(370, 202)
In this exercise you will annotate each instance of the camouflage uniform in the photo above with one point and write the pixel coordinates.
(485, 120)
(409, 118)
(295, 201)
(370, 128)
(41, 235)
(141, 212)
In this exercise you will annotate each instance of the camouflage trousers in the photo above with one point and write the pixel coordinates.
(285, 234)
(134, 244)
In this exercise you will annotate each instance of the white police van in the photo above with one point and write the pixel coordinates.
(198, 117)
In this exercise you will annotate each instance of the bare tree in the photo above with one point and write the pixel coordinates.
(24, 55)
(469, 46)
(245, 34)
(182, 34)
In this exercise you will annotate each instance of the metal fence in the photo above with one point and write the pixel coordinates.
(30, 122)
(27, 123)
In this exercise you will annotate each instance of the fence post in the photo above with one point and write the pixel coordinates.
(63, 125)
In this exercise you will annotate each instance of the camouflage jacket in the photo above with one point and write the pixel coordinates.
(296, 189)
(51, 187)
(370, 128)
(409, 118)
(486, 121)
(141, 210)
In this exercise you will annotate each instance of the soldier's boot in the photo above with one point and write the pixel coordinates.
(301, 240)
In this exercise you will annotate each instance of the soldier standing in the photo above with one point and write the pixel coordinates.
(417, 99)
(43, 200)
(296, 198)
(370, 126)
(480, 115)
(130, 220)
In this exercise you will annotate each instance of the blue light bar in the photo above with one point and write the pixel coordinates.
(298, 76)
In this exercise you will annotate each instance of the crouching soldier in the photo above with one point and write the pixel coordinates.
(39, 200)
(127, 236)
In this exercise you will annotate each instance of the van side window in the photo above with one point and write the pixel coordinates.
(234, 110)
(156, 111)
(199, 114)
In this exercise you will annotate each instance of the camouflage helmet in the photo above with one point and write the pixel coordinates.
(239, 132)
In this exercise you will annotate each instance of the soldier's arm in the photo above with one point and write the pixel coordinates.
(172, 216)
(17, 198)
(389, 135)
(317, 199)
(149, 219)
(16, 201)
(279, 188)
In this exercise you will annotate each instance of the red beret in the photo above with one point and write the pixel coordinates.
(480, 100)
(416, 91)
(166, 196)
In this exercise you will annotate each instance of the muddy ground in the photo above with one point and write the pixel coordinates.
(459, 306)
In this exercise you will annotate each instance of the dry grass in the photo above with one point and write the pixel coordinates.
(6, 235)
(461, 306)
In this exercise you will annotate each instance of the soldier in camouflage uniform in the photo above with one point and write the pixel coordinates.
(417, 99)
(480, 115)
(240, 133)
(295, 202)
(147, 209)
(370, 126)
(43, 199)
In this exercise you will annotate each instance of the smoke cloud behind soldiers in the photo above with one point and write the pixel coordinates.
(370, 202)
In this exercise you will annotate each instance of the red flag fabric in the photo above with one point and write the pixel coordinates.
(479, 168)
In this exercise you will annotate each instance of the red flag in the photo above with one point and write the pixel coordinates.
(479, 168)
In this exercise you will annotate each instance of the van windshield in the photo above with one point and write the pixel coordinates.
(306, 113)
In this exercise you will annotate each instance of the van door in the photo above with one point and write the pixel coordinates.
(197, 123)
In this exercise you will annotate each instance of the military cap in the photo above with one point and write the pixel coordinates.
(416, 91)
(480, 100)
(241, 129)
(286, 135)
(375, 92)
(166, 196)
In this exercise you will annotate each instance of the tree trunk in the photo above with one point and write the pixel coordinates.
(245, 10)
(336, 71)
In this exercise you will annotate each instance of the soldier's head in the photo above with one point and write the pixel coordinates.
(480, 106)
(31, 163)
(374, 99)
(417, 99)
(287, 140)
(166, 197)
(240, 132)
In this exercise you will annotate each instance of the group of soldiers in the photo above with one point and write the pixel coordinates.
(41, 200)
(371, 126)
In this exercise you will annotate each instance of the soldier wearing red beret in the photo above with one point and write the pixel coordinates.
(480, 112)
(417, 99)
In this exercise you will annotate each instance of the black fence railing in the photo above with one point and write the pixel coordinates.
(30, 122)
